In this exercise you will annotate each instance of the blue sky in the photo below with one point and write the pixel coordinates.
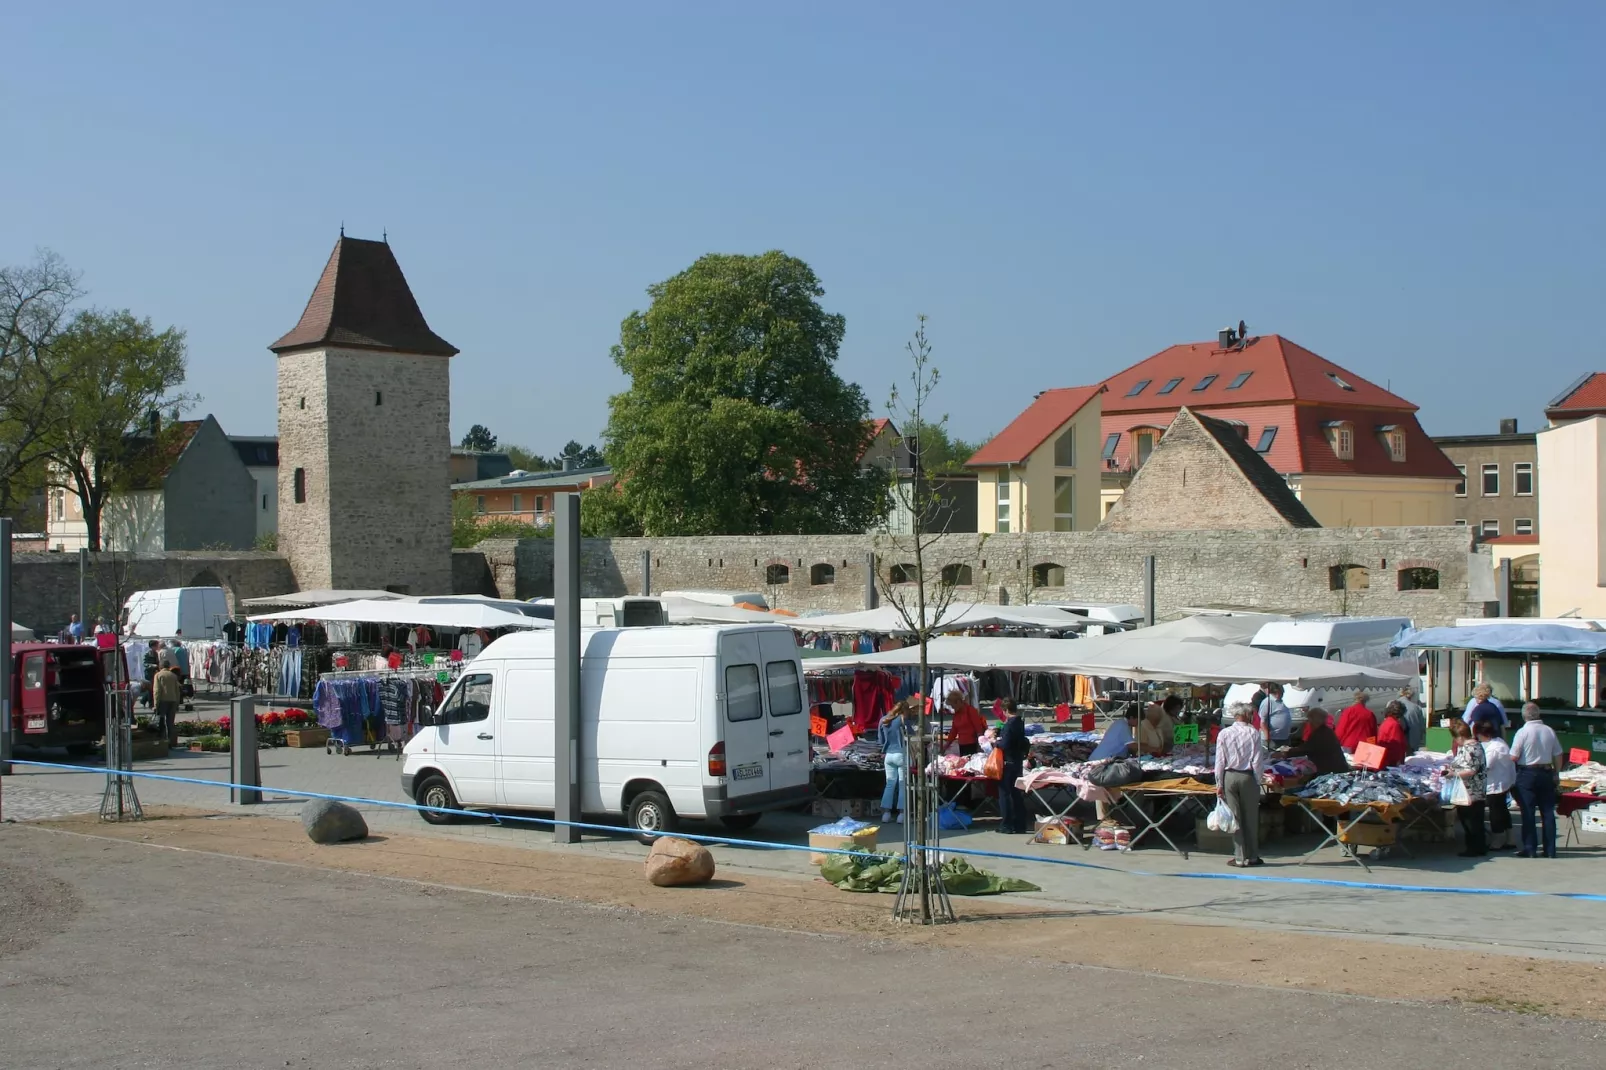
(1413, 191)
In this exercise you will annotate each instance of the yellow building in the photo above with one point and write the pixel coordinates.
(1572, 515)
(1041, 473)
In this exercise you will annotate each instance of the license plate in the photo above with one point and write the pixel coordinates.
(747, 772)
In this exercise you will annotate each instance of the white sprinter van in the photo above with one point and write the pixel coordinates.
(683, 722)
(176, 613)
(1364, 641)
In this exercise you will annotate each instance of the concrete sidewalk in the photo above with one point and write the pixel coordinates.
(1149, 880)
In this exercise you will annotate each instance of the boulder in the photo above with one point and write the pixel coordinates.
(675, 861)
(327, 821)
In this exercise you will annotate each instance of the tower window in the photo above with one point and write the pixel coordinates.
(303, 403)
(300, 486)
(379, 397)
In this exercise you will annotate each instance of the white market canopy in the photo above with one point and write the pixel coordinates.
(19, 634)
(401, 611)
(959, 617)
(683, 610)
(1156, 660)
(303, 599)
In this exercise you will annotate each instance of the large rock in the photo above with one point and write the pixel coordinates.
(327, 821)
(675, 861)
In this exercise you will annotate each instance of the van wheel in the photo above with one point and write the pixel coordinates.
(650, 812)
(740, 822)
(434, 791)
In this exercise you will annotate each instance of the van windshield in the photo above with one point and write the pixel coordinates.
(1292, 648)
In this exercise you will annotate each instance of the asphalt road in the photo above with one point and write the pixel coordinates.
(154, 958)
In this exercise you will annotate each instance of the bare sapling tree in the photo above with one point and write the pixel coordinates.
(924, 602)
(35, 304)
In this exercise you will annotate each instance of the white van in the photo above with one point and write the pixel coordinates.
(1364, 641)
(1119, 617)
(189, 613)
(722, 598)
(684, 722)
(626, 612)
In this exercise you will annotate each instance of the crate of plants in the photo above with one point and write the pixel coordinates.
(300, 728)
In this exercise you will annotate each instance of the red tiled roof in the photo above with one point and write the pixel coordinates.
(147, 460)
(1589, 395)
(1031, 428)
(1279, 370)
(362, 301)
(1513, 540)
(1300, 444)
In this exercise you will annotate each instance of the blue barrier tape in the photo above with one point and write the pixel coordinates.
(616, 830)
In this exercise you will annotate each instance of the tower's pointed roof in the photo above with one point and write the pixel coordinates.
(362, 301)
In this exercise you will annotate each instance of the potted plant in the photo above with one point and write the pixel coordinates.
(301, 730)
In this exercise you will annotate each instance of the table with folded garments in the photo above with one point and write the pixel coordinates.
(1343, 805)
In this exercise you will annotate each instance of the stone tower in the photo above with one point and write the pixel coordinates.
(365, 497)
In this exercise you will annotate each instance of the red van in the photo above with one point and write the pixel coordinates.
(58, 696)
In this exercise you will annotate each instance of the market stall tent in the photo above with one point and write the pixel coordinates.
(19, 634)
(887, 620)
(322, 597)
(1557, 640)
(429, 614)
(1157, 660)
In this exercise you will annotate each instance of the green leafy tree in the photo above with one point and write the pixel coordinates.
(604, 514)
(528, 460)
(479, 438)
(939, 454)
(736, 421)
(580, 456)
(113, 371)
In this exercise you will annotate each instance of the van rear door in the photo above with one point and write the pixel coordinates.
(790, 761)
(745, 721)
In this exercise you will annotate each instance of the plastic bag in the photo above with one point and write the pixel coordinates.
(993, 767)
(952, 818)
(1221, 819)
(1459, 795)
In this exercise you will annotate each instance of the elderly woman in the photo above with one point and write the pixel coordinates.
(1240, 763)
(1470, 766)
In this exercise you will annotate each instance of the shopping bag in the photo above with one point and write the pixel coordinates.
(993, 766)
(1459, 795)
(1221, 818)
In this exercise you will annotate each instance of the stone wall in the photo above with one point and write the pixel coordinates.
(471, 573)
(44, 587)
(1289, 570)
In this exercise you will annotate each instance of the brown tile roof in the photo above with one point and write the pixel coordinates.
(147, 460)
(362, 301)
(1587, 395)
(1031, 428)
(1262, 476)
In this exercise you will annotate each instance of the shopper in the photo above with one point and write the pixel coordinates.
(893, 759)
(166, 692)
(1499, 778)
(967, 724)
(1470, 767)
(1484, 705)
(1276, 724)
(1391, 735)
(1320, 745)
(1240, 763)
(1416, 721)
(75, 629)
(1537, 754)
(1157, 732)
(1356, 723)
(1011, 799)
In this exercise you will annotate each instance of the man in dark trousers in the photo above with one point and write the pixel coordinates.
(1016, 745)
(166, 693)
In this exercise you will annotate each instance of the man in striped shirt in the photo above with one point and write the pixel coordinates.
(1240, 763)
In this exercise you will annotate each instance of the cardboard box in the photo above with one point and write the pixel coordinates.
(863, 840)
(1368, 834)
(1593, 819)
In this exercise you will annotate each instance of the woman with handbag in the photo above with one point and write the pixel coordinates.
(1467, 785)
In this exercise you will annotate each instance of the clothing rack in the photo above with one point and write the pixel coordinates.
(357, 728)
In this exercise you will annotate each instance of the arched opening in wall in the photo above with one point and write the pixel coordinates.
(902, 574)
(822, 575)
(208, 578)
(1048, 574)
(1348, 578)
(777, 575)
(1418, 579)
(956, 575)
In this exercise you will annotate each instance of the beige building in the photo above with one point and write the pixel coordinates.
(1041, 473)
(365, 499)
(1498, 494)
(1572, 570)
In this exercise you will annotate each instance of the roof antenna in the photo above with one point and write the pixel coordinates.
(342, 228)
(384, 236)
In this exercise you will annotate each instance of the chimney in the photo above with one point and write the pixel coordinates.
(1508, 426)
(568, 462)
(154, 418)
(1226, 337)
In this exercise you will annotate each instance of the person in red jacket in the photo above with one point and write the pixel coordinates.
(967, 725)
(1391, 735)
(1356, 723)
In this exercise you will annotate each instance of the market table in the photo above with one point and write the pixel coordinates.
(959, 784)
(1057, 796)
(1344, 824)
(1183, 790)
(1568, 805)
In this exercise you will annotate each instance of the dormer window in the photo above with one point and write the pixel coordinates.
(1139, 387)
(1394, 439)
(1341, 436)
(1339, 382)
(1171, 384)
(1202, 383)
